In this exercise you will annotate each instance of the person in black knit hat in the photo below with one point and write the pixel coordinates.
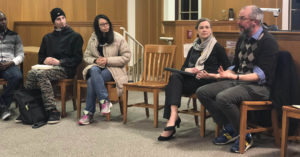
(56, 12)
(62, 49)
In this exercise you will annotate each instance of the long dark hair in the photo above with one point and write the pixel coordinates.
(109, 38)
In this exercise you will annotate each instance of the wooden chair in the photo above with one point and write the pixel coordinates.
(112, 95)
(201, 113)
(256, 106)
(63, 84)
(288, 112)
(154, 78)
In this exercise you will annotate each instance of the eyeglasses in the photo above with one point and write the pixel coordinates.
(103, 24)
(243, 18)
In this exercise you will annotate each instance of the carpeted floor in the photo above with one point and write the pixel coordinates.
(136, 138)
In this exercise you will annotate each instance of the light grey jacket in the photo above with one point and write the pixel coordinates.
(118, 55)
(11, 48)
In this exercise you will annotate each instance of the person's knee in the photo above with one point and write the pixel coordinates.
(94, 69)
(15, 77)
(175, 76)
(201, 92)
(222, 98)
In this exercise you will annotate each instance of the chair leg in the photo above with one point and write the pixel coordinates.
(63, 99)
(217, 131)
(202, 118)
(121, 105)
(243, 127)
(284, 134)
(195, 109)
(275, 127)
(74, 104)
(155, 109)
(107, 116)
(78, 101)
(146, 102)
(125, 101)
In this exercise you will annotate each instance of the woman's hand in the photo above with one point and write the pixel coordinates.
(202, 74)
(205, 75)
(101, 61)
(191, 70)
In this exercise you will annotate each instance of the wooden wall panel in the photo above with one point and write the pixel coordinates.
(76, 10)
(12, 11)
(212, 9)
(116, 10)
(149, 21)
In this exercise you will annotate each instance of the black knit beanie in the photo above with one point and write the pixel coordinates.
(55, 13)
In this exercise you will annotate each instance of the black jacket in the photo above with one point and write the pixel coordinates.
(64, 45)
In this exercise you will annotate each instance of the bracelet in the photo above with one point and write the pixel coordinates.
(238, 77)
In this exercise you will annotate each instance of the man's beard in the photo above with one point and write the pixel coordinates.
(62, 27)
(246, 31)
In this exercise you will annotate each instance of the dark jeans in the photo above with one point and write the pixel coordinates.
(13, 76)
(222, 99)
(180, 84)
(96, 87)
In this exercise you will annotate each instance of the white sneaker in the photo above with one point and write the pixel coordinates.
(105, 106)
(5, 114)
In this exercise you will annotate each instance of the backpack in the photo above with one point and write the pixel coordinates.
(31, 107)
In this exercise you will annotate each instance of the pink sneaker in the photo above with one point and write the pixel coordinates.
(105, 106)
(87, 118)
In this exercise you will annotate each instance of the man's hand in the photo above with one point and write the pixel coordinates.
(5, 65)
(228, 74)
(51, 61)
(101, 61)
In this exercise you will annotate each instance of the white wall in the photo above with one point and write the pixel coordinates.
(169, 10)
(285, 15)
(131, 17)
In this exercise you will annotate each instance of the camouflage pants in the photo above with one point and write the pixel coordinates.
(42, 79)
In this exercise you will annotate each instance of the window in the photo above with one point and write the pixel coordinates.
(186, 9)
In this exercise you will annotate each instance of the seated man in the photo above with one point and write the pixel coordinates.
(12, 54)
(63, 49)
(249, 78)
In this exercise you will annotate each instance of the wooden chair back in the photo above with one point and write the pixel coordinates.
(154, 79)
(156, 58)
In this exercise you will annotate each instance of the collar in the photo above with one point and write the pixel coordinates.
(257, 34)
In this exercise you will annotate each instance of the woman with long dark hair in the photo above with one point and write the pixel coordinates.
(107, 54)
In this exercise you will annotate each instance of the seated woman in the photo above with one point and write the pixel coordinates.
(107, 54)
(203, 59)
